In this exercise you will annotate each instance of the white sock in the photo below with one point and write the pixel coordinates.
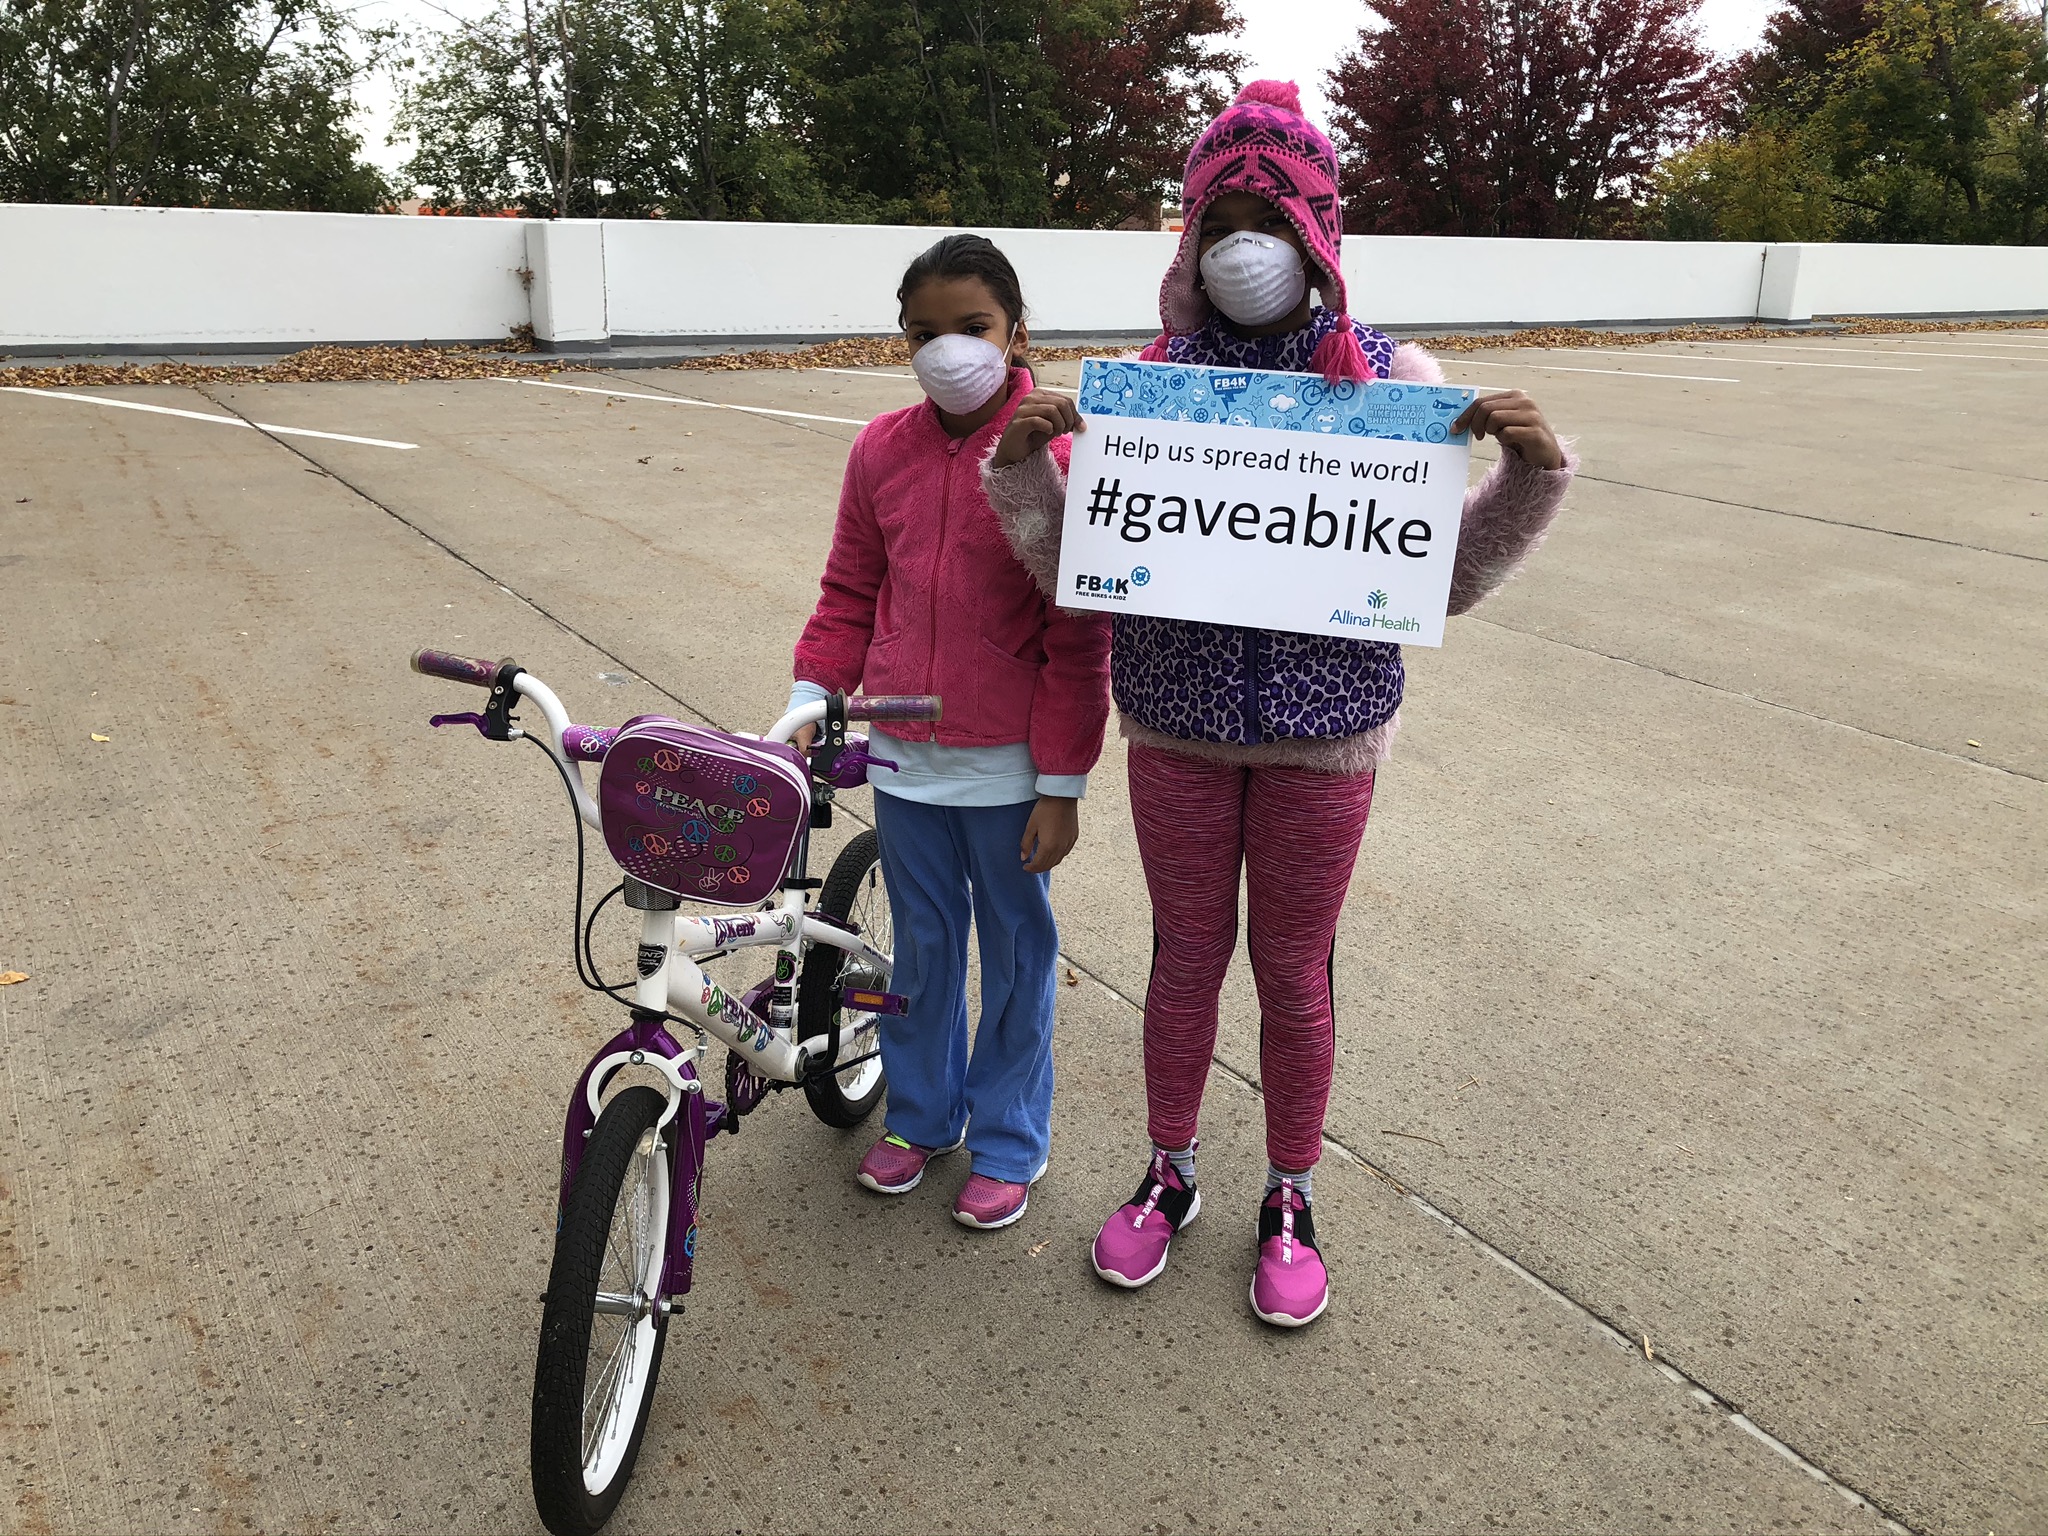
(1183, 1162)
(1302, 1181)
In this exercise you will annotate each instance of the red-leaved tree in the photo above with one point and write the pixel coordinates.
(1516, 117)
(1136, 79)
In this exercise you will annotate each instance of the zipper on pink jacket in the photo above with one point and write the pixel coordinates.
(931, 665)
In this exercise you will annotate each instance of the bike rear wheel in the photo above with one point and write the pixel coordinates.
(854, 892)
(602, 1327)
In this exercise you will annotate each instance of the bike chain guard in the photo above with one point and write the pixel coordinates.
(744, 1090)
(744, 1087)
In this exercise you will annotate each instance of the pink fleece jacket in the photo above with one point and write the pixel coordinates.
(921, 594)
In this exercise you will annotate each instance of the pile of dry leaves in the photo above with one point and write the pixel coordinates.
(400, 365)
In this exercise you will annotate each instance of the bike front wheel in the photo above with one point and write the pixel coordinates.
(854, 892)
(602, 1326)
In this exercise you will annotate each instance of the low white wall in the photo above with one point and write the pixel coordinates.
(89, 278)
(676, 279)
(1430, 280)
(1920, 279)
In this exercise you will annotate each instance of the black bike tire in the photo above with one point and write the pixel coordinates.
(566, 1506)
(818, 988)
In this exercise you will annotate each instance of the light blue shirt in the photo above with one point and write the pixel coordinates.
(934, 775)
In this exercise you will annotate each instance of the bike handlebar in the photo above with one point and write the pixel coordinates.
(897, 706)
(457, 669)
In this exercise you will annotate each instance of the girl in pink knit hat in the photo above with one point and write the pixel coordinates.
(1252, 752)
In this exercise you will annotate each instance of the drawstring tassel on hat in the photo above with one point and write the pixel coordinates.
(1338, 356)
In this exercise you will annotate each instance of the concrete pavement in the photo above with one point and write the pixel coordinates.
(1685, 856)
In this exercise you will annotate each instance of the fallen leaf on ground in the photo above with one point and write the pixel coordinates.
(508, 359)
(9, 978)
(1073, 979)
(643, 461)
(1646, 1348)
(1973, 743)
(1033, 1252)
(96, 736)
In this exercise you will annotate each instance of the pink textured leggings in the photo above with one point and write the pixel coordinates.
(1295, 833)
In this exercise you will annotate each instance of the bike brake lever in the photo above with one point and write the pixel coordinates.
(481, 724)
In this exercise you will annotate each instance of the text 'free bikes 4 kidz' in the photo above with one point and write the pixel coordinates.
(689, 813)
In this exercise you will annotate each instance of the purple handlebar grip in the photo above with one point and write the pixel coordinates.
(901, 706)
(588, 743)
(457, 669)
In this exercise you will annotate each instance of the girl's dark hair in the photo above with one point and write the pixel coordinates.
(965, 256)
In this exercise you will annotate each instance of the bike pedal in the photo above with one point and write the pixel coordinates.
(894, 1004)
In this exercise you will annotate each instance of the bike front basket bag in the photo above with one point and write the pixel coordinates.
(703, 814)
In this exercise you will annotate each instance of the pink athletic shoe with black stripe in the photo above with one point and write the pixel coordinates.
(1290, 1288)
(1131, 1248)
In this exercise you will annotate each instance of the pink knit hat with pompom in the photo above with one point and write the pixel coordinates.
(1262, 143)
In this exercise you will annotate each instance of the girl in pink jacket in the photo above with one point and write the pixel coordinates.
(921, 594)
(1252, 751)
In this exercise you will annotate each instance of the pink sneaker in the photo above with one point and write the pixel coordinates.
(894, 1167)
(1290, 1288)
(990, 1203)
(1130, 1250)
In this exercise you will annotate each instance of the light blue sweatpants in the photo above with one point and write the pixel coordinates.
(941, 863)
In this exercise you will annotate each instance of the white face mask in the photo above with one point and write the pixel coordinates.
(1253, 278)
(960, 373)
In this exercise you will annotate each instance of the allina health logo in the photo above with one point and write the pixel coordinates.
(1375, 616)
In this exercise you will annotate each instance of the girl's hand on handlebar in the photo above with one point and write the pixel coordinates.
(1513, 420)
(1050, 834)
(1043, 415)
(805, 735)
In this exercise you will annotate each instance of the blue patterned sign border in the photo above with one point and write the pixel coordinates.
(1289, 402)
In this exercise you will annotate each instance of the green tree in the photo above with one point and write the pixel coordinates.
(1770, 183)
(1915, 109)
(231, 103)
(1891, 120)
(932, 111)
(679, 108)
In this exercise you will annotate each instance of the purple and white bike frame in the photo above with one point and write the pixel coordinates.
(760, 1027)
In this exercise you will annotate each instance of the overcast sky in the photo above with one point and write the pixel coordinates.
(1285, 39)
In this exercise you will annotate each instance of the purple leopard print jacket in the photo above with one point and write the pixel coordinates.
(1268, 696)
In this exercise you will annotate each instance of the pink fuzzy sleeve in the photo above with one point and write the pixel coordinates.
(1506, 514)
(1030, 500)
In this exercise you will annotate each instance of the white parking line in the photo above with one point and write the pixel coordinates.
(869, 373)
(709, 405)
(1453, 360)
(1800, 346)
(2036, 338)
(1775, 362)
(227, 421)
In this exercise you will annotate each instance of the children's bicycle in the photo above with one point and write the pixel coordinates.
(688, 813)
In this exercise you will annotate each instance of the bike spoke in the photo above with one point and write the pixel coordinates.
(603, 1395)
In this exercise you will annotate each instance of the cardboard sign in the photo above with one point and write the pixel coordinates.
(1272, 500)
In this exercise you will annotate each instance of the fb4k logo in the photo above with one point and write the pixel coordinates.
(1103, 586)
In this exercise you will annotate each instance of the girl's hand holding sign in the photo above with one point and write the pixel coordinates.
(1514, 421)
(1041, 416)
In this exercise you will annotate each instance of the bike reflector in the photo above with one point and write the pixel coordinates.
(706, 815)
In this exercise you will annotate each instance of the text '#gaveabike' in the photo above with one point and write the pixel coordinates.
(1353, 528)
